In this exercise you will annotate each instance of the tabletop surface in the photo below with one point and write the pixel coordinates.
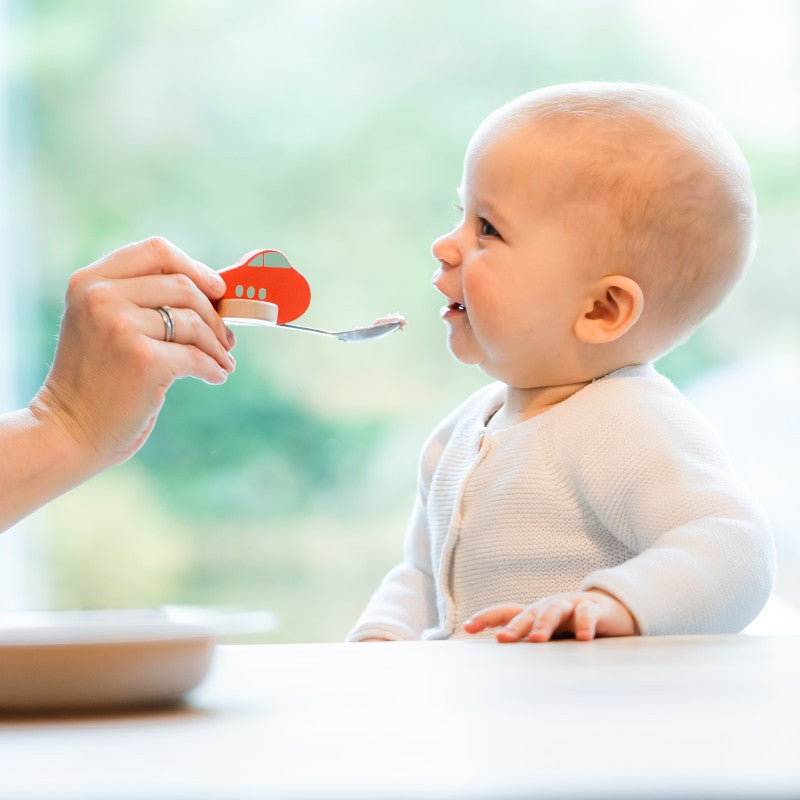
(662, 717)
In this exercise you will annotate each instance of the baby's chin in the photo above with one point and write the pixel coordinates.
(463, 355)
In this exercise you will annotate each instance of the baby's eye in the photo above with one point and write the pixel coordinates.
(487, 229)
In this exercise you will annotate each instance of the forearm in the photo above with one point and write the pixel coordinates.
(112, 369)
(39, 460)
(712, 576)
(400, 609)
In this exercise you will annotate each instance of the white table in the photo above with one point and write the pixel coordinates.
(671, 717)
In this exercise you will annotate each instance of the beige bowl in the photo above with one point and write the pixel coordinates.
(61, 661)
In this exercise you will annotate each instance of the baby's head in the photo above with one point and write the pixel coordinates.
(602, 223)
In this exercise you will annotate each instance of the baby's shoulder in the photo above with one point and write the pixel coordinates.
(638, 393)
(633, 408)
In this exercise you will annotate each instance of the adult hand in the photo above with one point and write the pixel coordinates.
(113, 367)
(583, 614)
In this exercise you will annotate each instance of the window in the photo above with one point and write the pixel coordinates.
(289, 486)
(274, 259)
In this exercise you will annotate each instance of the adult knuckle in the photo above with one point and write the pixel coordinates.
(194, 320)
(185, 285)
(160, 246)
(161, 253)
(96, 297)
(77, 281)
(140, 355)
(203, 366)
(116, 330)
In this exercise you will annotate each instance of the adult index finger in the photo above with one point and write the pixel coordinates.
(155, 256)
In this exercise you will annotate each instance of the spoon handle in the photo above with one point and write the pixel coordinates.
(304, 328)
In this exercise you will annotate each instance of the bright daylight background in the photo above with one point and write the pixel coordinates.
(334, 130)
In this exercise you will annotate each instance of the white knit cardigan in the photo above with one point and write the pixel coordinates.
(622, 487)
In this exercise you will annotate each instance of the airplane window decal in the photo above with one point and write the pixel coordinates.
(272, 258)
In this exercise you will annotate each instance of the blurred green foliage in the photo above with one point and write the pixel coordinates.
(223, 453)
(333, 130)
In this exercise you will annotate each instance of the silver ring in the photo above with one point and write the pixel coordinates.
(169, 322)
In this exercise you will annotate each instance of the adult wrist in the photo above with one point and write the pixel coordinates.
(63, 438)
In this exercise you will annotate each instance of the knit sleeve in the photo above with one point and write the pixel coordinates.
(656, 477)
(404, 605)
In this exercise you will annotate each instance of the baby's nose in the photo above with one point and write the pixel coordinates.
(445, 251)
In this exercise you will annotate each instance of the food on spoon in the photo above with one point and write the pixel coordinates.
(389, 319)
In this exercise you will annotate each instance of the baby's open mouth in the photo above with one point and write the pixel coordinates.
(452, 310)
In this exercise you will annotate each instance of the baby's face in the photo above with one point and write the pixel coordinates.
(516, 268)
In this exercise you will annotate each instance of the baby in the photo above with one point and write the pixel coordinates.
(581, 494)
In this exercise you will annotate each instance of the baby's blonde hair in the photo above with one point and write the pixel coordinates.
(678, 204)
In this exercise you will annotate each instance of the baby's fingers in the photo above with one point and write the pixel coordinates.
(551, 616)
(585, 620)
(518, 627)
(491, 618)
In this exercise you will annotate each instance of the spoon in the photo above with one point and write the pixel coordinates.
(357, 334)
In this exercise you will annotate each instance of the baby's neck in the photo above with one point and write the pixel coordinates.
(521, 404)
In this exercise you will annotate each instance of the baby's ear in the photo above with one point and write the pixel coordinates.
(611, 311)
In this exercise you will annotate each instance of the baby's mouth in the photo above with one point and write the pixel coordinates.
(452, 309)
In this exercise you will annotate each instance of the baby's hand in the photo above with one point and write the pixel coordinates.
(584, 614)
